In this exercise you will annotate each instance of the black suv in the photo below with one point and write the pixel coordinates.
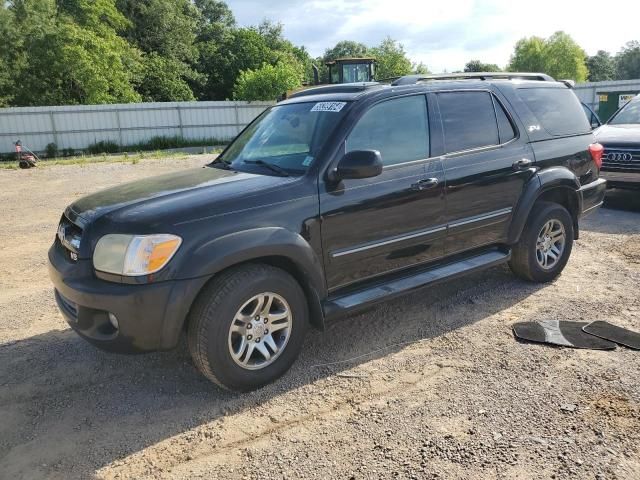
(331, 201)
(620, 137)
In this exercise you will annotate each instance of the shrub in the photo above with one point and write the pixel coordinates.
(103, 146)
(68, 152)
(51, 150)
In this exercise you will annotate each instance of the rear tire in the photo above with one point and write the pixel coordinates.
(545, 244)
(228, 326)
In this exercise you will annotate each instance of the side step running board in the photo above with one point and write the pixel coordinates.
(400, 286)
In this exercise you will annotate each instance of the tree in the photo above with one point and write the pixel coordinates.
(478, 66)
(7, 57)
(215, 12)
(267, 82)
(558, 56)
(565, 59)
(70, 53)
(601, 66)
(165, 80)
(391, 59)
(628, 61)
(420, 69)
(165, 30)
(345, 49)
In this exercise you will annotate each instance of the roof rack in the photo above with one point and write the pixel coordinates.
(336, 88)
(413, 79)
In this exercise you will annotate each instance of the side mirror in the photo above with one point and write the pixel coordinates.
(359, 164)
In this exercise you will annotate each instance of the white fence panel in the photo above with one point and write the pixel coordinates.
(78, 126)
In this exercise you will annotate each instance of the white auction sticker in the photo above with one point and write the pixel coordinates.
(328, 106)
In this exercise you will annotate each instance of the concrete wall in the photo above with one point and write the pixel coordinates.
(78, 126)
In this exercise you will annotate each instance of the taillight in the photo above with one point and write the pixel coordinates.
(596, 150)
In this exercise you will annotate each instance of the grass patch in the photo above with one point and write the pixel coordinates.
(153, 144)
(124, 158)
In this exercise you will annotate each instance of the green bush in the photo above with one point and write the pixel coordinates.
(103, 146)
(268, 82)
(68, 152)
(51, 150)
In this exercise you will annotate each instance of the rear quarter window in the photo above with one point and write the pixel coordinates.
(557, 109)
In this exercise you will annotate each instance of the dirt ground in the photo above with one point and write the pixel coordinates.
(429, 386)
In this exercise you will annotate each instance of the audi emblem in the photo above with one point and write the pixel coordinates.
(619, 157)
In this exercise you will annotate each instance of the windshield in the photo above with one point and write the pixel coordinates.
(630, 113)
(285, 138)
(355, 73)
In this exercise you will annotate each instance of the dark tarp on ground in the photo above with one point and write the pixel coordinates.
(611, 332)
(561, 333)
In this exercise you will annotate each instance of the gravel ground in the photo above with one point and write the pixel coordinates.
(429, 386)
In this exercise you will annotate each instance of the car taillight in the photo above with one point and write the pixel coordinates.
(596, 150)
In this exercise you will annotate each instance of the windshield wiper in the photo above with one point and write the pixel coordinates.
(274, 168)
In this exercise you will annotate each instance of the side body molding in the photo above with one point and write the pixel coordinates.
(541, 182)
(222, 252)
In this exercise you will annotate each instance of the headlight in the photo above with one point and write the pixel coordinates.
(133, 255)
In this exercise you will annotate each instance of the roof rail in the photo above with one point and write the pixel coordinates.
(413, 79)
(337, 88)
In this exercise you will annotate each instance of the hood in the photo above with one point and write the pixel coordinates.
(619, 135)
(201, 182)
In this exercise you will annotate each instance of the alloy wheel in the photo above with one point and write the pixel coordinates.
(260, 331)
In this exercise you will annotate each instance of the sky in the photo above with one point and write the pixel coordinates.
(446, 34)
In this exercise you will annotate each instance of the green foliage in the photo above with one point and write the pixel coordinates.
(559, 56)
(420, 69)
(346, 49)
(391, 59)
(58, 59)
(478, 66)
(51, 150)
(628, 61)
(102, 147)
(601, 66)
(165, 79)
(268, 82)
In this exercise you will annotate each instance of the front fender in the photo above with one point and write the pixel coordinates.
(222, 252)
(543, 181)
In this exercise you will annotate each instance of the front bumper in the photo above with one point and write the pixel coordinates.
(150, 316)
(592, 195)
(621, 179)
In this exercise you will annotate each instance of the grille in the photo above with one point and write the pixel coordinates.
(621, 159)
(67, 305)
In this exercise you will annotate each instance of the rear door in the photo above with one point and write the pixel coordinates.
(486, 162)
(377, 225)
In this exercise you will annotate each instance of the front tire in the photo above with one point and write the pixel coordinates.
(247, 326)
(545, 245)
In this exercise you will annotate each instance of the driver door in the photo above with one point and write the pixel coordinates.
(396, 220)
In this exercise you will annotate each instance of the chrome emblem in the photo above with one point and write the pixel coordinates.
(619, 157)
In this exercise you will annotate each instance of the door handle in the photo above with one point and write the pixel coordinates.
(522, 164)
(425, 184)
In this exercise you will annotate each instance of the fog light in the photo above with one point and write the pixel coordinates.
(113, 320)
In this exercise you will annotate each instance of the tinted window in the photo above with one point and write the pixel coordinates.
(557, 109)
(397, 128)
(630, 113)
(505, 128)
(468, 119)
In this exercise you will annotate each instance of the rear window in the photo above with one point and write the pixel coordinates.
(557, 109)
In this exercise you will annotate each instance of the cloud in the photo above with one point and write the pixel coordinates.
(448, 34)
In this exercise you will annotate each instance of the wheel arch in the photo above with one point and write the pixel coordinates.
(273, 246)
(558, 185)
